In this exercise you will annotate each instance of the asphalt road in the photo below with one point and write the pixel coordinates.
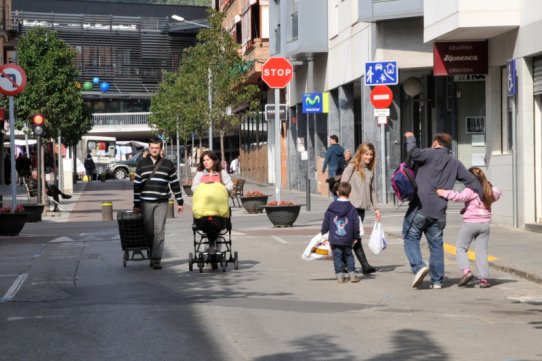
(66, 296)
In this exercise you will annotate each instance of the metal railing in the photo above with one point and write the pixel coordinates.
(116, 119)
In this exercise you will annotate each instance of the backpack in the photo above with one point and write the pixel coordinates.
(403, 182)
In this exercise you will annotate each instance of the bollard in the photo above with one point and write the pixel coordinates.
(171, 209)
(107, 211)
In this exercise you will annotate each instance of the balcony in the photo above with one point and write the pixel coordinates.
(469, 19)
(127, 126)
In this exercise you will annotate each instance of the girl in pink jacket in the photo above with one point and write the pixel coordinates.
(476, 220)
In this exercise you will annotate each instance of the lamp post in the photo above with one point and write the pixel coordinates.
(209, 79)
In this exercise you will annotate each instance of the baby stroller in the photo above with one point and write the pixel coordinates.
(211, 228)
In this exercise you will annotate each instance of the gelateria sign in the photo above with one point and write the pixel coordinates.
(456, 58)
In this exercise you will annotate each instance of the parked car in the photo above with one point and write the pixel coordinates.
(120, 169)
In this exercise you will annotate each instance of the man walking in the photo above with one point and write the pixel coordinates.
(154, 178)
(427, 211)
(333, 154)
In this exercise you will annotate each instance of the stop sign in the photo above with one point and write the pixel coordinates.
(381, 96)
(277, 72)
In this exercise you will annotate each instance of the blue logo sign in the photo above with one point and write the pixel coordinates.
(381, 73)
(312, 103)
(511, 80)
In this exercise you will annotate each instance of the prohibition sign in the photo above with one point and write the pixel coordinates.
(12, 79)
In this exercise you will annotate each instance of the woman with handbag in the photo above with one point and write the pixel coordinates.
(360, 174)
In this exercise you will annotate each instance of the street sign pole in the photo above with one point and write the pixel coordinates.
(383, 162)
(278, 175)
(12, 154)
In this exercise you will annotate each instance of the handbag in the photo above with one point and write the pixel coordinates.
(377, 242)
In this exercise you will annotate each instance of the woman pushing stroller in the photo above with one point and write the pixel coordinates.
(211, 187)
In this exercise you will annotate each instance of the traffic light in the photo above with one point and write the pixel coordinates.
(38, 122)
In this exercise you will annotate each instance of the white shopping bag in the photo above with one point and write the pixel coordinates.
(318, 249)
(377, 242)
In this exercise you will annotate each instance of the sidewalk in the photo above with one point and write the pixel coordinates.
(511, 250)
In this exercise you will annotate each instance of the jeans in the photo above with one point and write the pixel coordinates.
(343, 255)
(414, 225)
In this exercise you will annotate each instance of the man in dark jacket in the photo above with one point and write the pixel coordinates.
(90, 167)
(426, 213)
(333, 156)
(153, 179)
(341, 220)
(50, 189)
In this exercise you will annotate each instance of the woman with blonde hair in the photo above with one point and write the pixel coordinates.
(360, 173)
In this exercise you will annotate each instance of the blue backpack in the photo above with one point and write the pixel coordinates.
(403, 182)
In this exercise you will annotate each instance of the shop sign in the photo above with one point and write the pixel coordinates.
(455, 58)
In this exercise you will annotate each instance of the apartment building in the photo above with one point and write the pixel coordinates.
(472, 69)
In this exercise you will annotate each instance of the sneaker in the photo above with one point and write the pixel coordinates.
(66, 196)
(466, 279)
(484, 283)
(354, 279)
(156, 264)
(436, 286)
(420, 275)
(341, 279)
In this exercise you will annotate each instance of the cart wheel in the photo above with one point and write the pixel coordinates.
(125, 258)
(190, 262)
(235, 261)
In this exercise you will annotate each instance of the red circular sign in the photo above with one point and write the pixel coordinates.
(12, 79)
(277, 72)
(381, 97)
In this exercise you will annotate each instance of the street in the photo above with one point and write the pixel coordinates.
(67, 296)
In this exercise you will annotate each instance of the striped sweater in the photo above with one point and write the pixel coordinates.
(156, 189)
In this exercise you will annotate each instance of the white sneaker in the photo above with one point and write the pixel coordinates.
(420, 275)
(436, 286)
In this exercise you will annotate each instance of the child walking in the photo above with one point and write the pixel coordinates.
(476, 220)
(342, 222)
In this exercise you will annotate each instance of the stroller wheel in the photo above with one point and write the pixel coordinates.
(190, 262)
(125, 258)
(235, 261)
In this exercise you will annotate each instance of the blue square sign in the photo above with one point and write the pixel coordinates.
(312, 103)
(381, 73)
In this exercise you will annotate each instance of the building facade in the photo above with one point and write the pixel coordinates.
(456, 64)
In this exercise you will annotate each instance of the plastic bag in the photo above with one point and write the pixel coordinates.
(377, 242)
(318, 249)
(361, 230)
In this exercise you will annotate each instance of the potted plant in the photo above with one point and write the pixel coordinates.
(12, 223)
(187, 187)
(283, 213)
(254, 201)
(34, 211)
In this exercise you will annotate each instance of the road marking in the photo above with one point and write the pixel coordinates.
(39, 317)
(471, 254)
(15, 287)
(279, 239)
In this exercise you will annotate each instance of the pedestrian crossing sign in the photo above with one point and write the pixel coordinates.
(381, 73)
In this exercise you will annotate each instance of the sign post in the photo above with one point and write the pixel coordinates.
(277, 73)
(382, 97)
(12, 82)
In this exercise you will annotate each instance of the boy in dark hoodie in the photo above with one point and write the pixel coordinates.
(342, 222)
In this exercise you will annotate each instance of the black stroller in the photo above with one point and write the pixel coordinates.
(211, 245)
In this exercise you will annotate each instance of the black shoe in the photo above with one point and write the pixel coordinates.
(66, 196)
(156, 264)
(366, 268)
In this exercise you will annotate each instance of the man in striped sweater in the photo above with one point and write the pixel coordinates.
(153, 179)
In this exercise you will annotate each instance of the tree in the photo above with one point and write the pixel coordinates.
(51, 87)
(213, 63)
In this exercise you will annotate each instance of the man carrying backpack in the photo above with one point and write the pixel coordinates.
(426, 214)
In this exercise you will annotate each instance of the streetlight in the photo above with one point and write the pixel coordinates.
(209, 80)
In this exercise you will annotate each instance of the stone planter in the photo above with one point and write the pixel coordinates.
(283, 216)
(254, 204)
(12, 223)
(188, 189)
(34, 212)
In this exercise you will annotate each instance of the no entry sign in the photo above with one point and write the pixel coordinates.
(277, 72)
(381, 97)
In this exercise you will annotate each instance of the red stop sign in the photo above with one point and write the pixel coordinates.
(381, 97)
(277, 72)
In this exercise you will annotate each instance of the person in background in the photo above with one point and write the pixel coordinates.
(426, 214)
(344, 161)
(342, 222)
(90, 167)
(333, 155)
(234, 165)
(476, 222)
(50, 189)
(154, 178)
(360, 173)
(23, 166)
